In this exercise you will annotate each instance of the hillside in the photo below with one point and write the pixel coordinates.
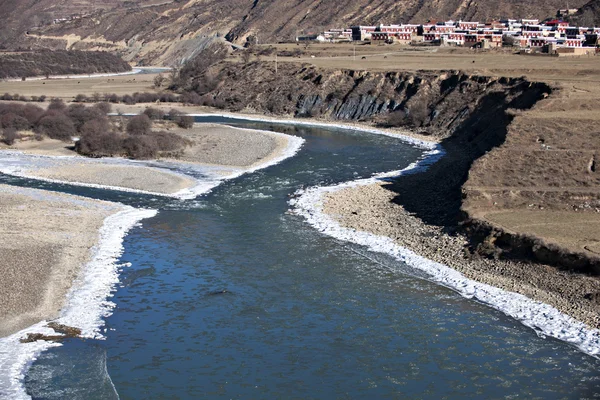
(155, 31)
(60, 62)
(588, 15)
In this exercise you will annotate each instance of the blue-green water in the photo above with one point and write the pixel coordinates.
(229, 296)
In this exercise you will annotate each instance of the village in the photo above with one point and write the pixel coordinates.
(530, 36)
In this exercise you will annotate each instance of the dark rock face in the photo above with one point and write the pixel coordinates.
(433, 103)
(468, 113)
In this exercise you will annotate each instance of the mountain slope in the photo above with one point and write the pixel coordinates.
(588, 15)
(162, 31)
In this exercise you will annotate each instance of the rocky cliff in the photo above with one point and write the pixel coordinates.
(432, 103)
(471, 115)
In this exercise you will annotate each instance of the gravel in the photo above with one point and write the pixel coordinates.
(370, 208)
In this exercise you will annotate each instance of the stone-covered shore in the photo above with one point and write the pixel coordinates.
(370, 208)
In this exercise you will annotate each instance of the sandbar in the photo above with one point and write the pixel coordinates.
(116, 176)
(45, 240)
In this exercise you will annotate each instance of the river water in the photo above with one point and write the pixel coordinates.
(229, 296)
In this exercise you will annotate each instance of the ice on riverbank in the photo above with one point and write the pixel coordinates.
(543, 318)
(87, 303)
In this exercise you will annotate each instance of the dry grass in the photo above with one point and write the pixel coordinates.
(407, 58)
(67, 89)
(576, 231)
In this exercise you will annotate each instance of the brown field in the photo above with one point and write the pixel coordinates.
(500, 62)
(577, 231)
(67, 89)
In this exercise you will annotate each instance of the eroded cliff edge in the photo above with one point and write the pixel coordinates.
(475, 118)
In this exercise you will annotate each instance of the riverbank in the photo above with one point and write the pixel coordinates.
(371, 209)
(538, 296)
(199, 111)
(46, 239)
(60, 262)
(222, 151)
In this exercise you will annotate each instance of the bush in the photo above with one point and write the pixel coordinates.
(57, 126)
(154, 113)
(103, 144)
(9, 135)
(32, 113)
(139, 125)
(182, 120)
(168, 98)
(169, 141)
(111, 98)
(104, 107)
(81, 114)
(185, 121)
(140, 147)
(396, 118)
(145, 97)
(191, 98)
(173, 113)
(57, 104)
(80, 98)
(159, 80)
(127, 99)
(14, 121)
(95, 127)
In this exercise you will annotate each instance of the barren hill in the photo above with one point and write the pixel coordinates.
(588, 15)
(164, 31)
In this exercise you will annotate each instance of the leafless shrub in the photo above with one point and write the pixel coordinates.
(169, 142)
(97, 143)
(140, 147)
(127, 99)
(57, 104)
(32, 113)
(191, 98)
(154, 113)
(13, 121)
(57, 126)
(395, 119)
(111, 98)
(182, 120)
(104, 107)
(9, 135)
(81, 114)
(139, 125)
(80, 98)
(159, 80)
(168, 98)
(185, 121)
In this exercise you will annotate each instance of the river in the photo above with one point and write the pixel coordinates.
(231, 296)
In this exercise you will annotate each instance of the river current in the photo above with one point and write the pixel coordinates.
(230, 296)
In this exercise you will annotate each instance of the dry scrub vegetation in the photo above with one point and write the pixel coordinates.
(99, 135)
